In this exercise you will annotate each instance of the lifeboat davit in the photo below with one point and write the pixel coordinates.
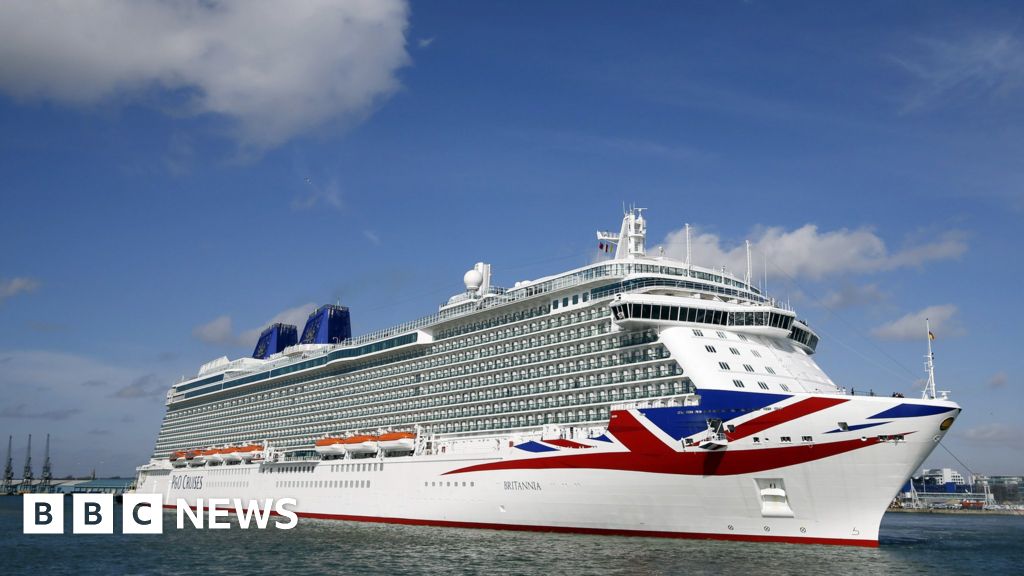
(178, 459)
(360, 444)
(230, 456)
(330, 447)
(399, 441)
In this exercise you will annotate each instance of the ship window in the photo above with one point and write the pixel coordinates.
(575, 298)
(665, 312)
(710, 348)
(807, 439)
(748, 367)
(784, 387)
(738, 383)
(720, 334)
(697, 332)
(757, 440)
(734, 351)
(769, 369)
(762, 385)
(785, 439)
(755, 353)
(723, 365)
(565, 301)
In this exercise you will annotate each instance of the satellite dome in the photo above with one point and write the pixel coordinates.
(473, 280)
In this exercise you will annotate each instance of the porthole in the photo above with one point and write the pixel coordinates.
(946, 424)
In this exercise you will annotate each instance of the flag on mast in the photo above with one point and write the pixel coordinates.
(931, 335)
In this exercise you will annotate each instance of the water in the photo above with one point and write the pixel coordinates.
(910, 544)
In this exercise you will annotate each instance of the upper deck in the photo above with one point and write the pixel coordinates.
(484, 306)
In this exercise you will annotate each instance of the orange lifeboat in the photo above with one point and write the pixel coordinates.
(360, 444)
(214, 456)
(178, 459)
(397, 441)
(196, 457)
(330, 446)
(250, 452)
(230, 455)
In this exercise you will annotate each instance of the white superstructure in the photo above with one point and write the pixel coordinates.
(635, 395)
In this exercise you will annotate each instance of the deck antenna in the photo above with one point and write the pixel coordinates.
(687, 245)
(748, 264)
(764, 269)
(929, 363)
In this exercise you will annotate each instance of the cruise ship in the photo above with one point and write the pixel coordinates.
(637, 395)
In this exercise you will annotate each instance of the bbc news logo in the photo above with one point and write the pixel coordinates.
(143, 513)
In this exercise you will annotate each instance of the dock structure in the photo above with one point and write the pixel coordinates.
(8, 485)
(46, 476)
(26, 475)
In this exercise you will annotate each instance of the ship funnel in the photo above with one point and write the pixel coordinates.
(328, 324)
(275, 339)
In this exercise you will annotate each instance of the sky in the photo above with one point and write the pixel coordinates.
(175, 176)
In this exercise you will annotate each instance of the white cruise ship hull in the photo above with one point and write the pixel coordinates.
(639, 478)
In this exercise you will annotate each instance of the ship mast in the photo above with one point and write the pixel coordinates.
(929, 363)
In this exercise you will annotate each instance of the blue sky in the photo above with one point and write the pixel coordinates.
(174, 177)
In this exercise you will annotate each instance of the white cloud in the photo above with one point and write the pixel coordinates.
(216, 331)
(145, 386)
(995, 432)
(295, 316)
(807, 252)
(220, 330)
(67, 394)
(276, 70)
(911, 326)
(849, 295)
(15, 286)
(971, 66)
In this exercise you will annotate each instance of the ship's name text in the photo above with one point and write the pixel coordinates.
(187, 483)
(517, 485)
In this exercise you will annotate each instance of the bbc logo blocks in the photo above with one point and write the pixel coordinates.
(43, 514)
(92, 514)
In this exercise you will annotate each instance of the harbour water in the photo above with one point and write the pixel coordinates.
(910, 544)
